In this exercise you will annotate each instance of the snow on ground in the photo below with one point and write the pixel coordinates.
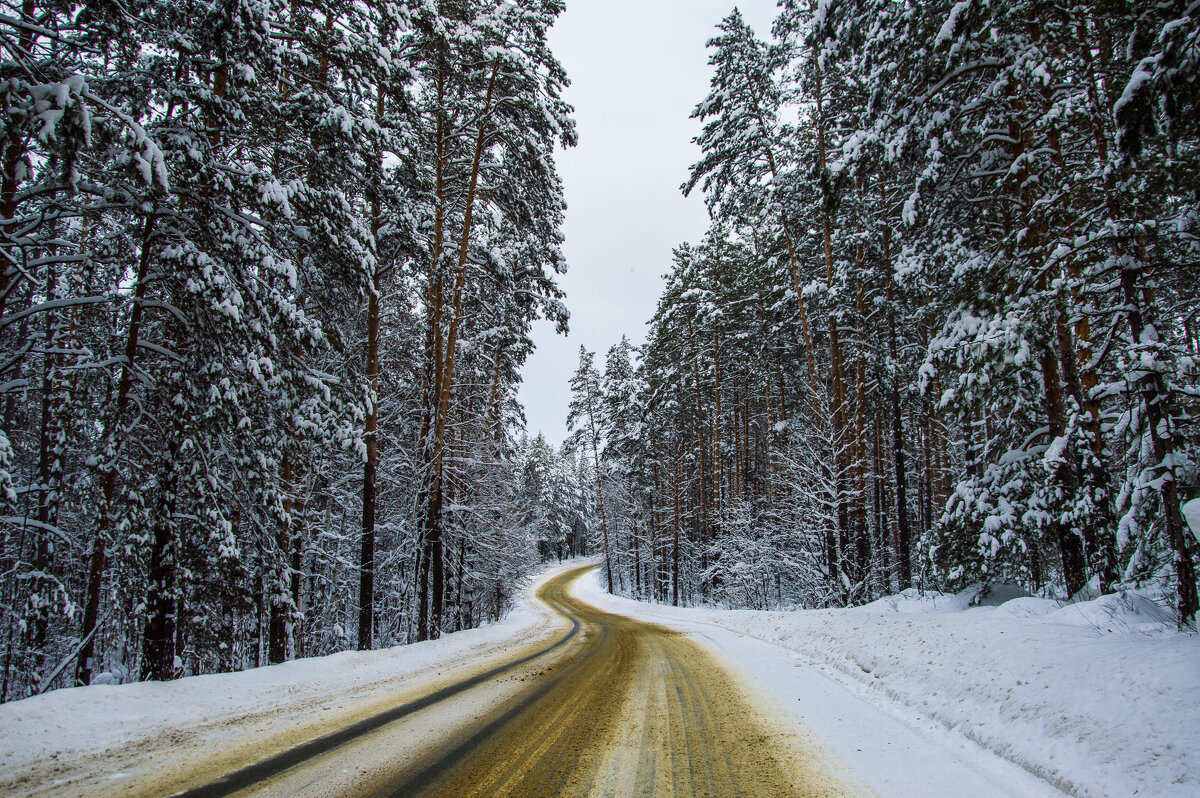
(84, 721)
(925, 695)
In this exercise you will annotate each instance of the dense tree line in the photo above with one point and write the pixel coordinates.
(267, 276)
(943, 328)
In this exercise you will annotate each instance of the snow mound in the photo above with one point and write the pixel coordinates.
(1129, 612)
(1027, 608)
(910, 601)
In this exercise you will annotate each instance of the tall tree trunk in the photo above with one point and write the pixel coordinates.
(366, 559)
(748, 456)
(836, 358)
(49, 485)
(861, 524)
(736, 462)
(637, 564)
(879, 500)
(296, 579)
(675, 490)
(259, 599)
(903, 540)
(1074, 356)
(718, 494)
(443, 372)
(279, 607)
(599, 484)
(10, 176)
(108, 476)
(657, 537)
(429, 511)
(158, 646)
(925, 485)
(1098, 534)
(366, 579)
(1138, 301)
(702, 460)
(1070, 544)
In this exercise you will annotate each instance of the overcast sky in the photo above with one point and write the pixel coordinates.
(637, 69)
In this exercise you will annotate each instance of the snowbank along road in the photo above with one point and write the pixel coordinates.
(614, 707)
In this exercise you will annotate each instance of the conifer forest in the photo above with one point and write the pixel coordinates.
(269, 272)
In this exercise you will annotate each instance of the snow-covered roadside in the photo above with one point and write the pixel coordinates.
(1096, 699)
(68, 724)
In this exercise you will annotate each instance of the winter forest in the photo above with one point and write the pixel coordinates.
(269, 270)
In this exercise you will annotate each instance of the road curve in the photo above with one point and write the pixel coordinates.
(642, 711)
(613, 707)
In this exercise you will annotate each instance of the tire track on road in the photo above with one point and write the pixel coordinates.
(272, 766)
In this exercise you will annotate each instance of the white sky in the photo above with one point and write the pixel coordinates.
(637, 69)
